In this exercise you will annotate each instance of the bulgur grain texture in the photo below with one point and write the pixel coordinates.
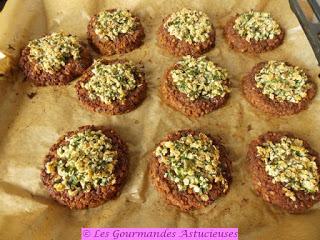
(112, 86)
(115, 31)
(278, 88)
(253, 32)
(186, 32)
(54, 59)
(276, 178)
(195, 86)
(85, 167)
(191, 181)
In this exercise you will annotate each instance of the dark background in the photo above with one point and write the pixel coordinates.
(2, 3)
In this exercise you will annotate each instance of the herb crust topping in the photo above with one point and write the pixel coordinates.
(85, 162)
(256, 26)
(111, 24)
(282, 82)
(52, 52)
(112, 82)
(290, 163)
(200, 78)
(193, 164)
(189, 25)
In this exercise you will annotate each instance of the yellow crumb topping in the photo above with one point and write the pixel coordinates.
(111, 24)
(189, 25)
(86, 161)
(112, 82)
(52, 52)
(193, 164)
(200, 78)
(256, 26)
(282, 82)
(290, 163)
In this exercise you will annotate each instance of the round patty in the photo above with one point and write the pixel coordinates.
(71, 70)
(259, 100)
(131, 102)
(187, 200)
(180, 101)
(240, 44)
(122, 44)
(179, 47)
(272, 192)
(94, 197)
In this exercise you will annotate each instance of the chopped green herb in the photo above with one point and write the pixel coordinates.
(53, 51)
(110, 24)
(193, 163)
(282, 82)
(87, 161)
(291, 164)
(200, 78)
(189, 25)
(256, 26)
(112, 82)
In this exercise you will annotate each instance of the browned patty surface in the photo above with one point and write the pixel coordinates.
(187, 200)
(272, 192)
(255, 96)
(240, 44)
(180, 101)
(177, 47)
(96, 197)
(131, 102)
(67, 73)
(122, 44)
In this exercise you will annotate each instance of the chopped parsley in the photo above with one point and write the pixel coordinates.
(86, 161)
(52, 52)
(256, 26)
(290, 163)
(189, 25)
(200, 78)
(282, 82)
(112, 82)
(193, 164)
(111, 24)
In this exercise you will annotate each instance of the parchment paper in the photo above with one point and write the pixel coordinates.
(32, 119)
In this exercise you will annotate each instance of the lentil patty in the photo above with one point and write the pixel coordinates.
(253, 32)
(66, 173)
(194, 177)
(54, 59)
(277, 173)
(123, 93)
(186, 32)
(115, 31)
(195, 86)
(294, 88)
